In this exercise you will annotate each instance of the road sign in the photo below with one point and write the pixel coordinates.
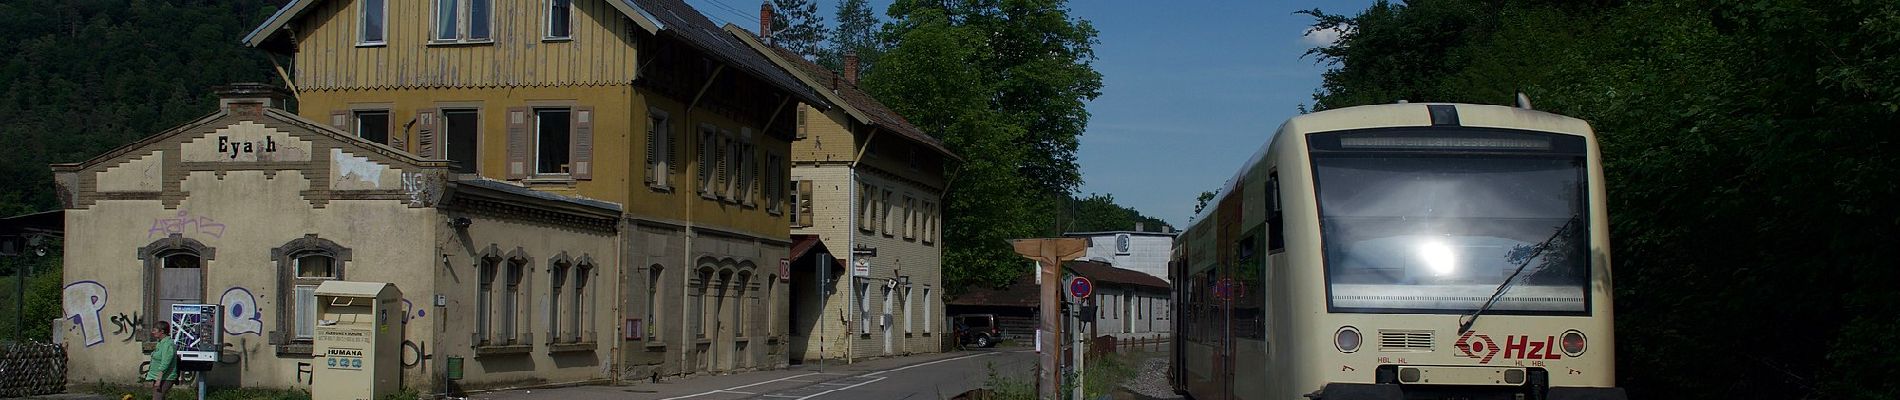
(1080, 287)
(784, 270)
(862, 267)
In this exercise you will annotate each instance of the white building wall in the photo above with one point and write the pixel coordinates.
(1147, 252)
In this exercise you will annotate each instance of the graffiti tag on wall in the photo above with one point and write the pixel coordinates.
(243, 315)
(83, 300)
(130, 326)
(185, 224)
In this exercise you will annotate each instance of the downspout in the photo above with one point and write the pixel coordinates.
(850, 348)
(687, 257)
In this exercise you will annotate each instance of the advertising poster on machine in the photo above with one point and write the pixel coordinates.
(195, 330)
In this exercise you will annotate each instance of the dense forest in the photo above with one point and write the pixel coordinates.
(1751, 161)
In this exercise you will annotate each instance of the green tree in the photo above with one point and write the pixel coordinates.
(857, 32)
(1200, 202)
(1098, 212)
(1003, 83)
(796, 26)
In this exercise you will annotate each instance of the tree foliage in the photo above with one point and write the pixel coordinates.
(1003, 83)
(857, 32)
(1750, 157)
(796, 26)
(1099, 213)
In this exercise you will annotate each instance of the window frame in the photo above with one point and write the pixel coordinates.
(289, 258)
(567, 151)
(659, 158)
(446, 137)
(547, 21)
(356, 124)
(464, 23)
(654, 333)
(517, 287)
(558, 274)
(582, 305)
(362, 24)
(154, 256)
(705, 161)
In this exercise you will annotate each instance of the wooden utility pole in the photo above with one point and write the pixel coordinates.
(1049, 254)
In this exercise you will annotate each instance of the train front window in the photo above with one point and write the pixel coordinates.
(1412, 226)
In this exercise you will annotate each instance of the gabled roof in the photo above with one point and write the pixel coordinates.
(672, 17)
(275, 115)
(847, 95)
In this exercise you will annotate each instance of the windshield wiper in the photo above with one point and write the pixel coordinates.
(1464, 323)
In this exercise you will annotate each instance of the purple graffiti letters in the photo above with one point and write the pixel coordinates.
(185, 223)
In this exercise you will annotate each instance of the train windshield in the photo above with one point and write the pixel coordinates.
(1415, 224)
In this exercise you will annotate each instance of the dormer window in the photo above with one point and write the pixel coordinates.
(560, 20)
(371, 28)
(462, 21)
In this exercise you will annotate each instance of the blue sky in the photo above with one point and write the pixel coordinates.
(1191, 89)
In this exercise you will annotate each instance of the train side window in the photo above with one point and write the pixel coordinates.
(1276, 231)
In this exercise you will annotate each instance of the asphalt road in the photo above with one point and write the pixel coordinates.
(933, 376)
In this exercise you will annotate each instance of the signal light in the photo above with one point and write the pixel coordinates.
(1347, 339)
(1574, 343)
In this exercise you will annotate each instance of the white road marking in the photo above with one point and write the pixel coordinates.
(928, 363)
(730, 389)
(843, 388)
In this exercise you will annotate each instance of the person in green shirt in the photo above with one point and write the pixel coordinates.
(164, 366)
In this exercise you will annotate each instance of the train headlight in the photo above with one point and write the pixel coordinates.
(1347, 339)
(1574, 343)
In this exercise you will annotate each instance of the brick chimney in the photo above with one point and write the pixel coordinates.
(851, 67)
(765, 21)
(250, 98)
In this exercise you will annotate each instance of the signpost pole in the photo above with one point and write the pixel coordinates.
(1049, 254)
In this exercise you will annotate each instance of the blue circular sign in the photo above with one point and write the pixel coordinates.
(1080, 287)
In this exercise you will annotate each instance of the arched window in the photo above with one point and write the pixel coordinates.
(303, 264)
(581, 324)
(490, 266)
(174, 274)
(557, 277)
(744, 302)
(514, 274)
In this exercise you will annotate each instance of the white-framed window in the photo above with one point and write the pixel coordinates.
(372, 27)
(910, 218)
(463, 21)
(930, 222)
(867, 211)
(560, 20)
(312, 268)
(553, 134)
(371, 125)
(927, 315)
(907, 309)
(461, 129)
(659, 143)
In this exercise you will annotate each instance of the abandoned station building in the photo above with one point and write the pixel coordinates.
(564, 192)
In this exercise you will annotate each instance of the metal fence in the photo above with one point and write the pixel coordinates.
(31, 369)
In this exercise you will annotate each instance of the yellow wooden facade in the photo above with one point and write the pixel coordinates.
(410, 74)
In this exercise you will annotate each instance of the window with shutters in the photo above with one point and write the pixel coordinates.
(371, 125)
(372, 22)
(801, 203)
(930, 223)
(462, 21)
(910, 218)
(884, 219)
(581, 313)
(560, 20)
(461, 129)
(552, 136)
(708, 142)
(510, 299)
(867, 216)
(801, 132)
(485, 300)
(731, 159)
(773, 182)
(659, 153)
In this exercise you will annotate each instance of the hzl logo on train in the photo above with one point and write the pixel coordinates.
(1480, 346)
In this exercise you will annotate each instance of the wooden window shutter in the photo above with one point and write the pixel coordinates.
(653, 149)
(753, 185)
(426, 142)
(583, 147)
(341, 121)
(804, 203)
(518, 143)
(705, 161)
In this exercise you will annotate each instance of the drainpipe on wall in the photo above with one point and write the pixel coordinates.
(691, 234)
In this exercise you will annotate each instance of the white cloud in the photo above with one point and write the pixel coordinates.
(1322, 37)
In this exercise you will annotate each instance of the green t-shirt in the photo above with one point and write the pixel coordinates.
(164, 361)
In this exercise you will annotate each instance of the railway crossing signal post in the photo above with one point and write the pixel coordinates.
(1049, 254)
